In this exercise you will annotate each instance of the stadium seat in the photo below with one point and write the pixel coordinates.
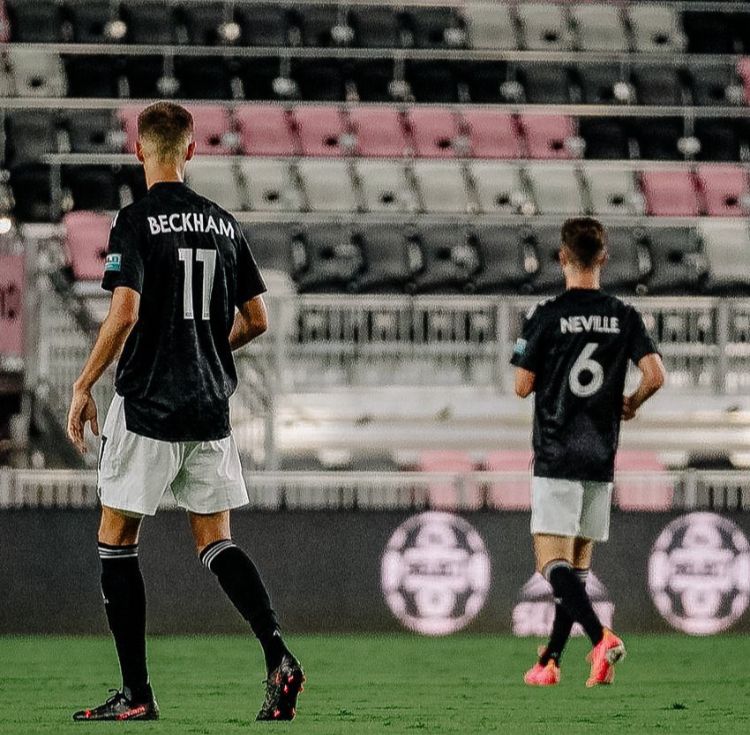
(709, 32)
(260, 80)
(545, 83)
(445, 495)
(384, 186)
(265, 130)
(512, 494)
(31, 134)
(94, 21)
(492, 134)
(628, 262)
(654, 494)
(271, 245)
(678, 262)
(92, 76)
(432, 81)
(726, 244)
(602, 83)
(670, 193)
(490, 26)
(262, 24)
(93, 131)
(743, 70)
(600, 27)
(316, 24)
(486, 81)
(144, 75)
(11, 308)
(203, 78)
(547, 135)
(91, 187)
(32, 193)
(446, 259)
(149, 22)
(612, 190)
(385, 259)
(657, 84)
(606, 137)
(378, 131)
(434, 132)
(724, 189)
(327, 185)
(556, 189)
(270, 185)
(435, 27)
(499, 188)
(658, 138)
(86, 237)
(319, 80)
(656, 28)
(216, 180)
(720, 139)
(321, 130)
(375, 26)
(506, 263)
(203, 22)
(37, 73)
(441, 185)
(213, 131)
(374, 80)
(715, 84)
(35, 22)
(548, 277)
(331, 260)
(544, 27)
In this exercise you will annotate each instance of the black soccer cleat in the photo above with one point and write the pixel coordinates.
(283, 686)
(119, 707)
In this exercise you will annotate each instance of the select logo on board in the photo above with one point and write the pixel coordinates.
(435, 573)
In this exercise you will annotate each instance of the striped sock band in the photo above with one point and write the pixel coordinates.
(106, 551)
(213, 550)
(583, 575)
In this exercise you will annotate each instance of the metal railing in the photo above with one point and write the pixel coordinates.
(498, 491)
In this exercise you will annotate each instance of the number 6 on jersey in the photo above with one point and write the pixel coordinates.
(585, 363)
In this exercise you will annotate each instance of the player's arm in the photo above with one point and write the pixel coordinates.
(524, 382)
(653, 377)
(114, 331)
(250, 321)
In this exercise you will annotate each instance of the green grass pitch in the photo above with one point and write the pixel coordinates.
(392, 684)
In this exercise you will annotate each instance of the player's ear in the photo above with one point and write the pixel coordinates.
(139, 151)
(603, 257)
(562, 256)
(190, 151)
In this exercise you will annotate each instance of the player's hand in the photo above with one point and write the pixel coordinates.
(82, 412)
(628, 408)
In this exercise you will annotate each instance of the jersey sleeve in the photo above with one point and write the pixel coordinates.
(528, 350)
(641, 343)
(124, 262)
(250, 283)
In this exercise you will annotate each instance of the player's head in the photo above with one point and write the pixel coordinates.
(165, 135)
(584, 244)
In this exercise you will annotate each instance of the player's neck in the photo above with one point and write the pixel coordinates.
(588, 279)
(159, 174)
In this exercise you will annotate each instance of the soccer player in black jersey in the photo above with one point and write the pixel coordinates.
(186, 292)
(574, 354)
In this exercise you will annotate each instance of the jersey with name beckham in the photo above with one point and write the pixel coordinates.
(579, 345)
(191, 264)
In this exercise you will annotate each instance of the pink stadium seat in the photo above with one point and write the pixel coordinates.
(378, 131)
(212, 128)
(546, 135)
(434, 132)
(320, 130)
(670, 193)
(86, 236)
(492, 134)
(514, 494)
(265, 131)
(11, 311)
(723, 188)
(641, 493)
(743, 69)
(444, 496)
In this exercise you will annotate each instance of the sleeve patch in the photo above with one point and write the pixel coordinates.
(113, 262)
(520, 346)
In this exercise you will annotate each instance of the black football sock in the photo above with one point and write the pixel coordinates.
(125, 605)
(561, 627)
(567, 587)
(239, 578)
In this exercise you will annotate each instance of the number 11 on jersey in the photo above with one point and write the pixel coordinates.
(208, 258)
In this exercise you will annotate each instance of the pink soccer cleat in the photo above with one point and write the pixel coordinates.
(543, 676)
(603, 658)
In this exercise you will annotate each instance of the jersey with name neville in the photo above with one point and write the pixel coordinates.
(192, 266)
(579, 345)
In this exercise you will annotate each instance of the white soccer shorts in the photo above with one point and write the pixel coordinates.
(573, 508)
(135, 471)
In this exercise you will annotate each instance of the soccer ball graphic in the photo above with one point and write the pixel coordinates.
(435, 573)
(699, 573)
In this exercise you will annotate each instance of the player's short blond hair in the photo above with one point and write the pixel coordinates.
(165, 130)
(585, 238)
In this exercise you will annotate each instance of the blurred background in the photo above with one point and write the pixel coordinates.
(401, 171)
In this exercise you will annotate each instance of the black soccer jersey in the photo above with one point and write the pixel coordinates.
(579, 345)
(191, 264)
